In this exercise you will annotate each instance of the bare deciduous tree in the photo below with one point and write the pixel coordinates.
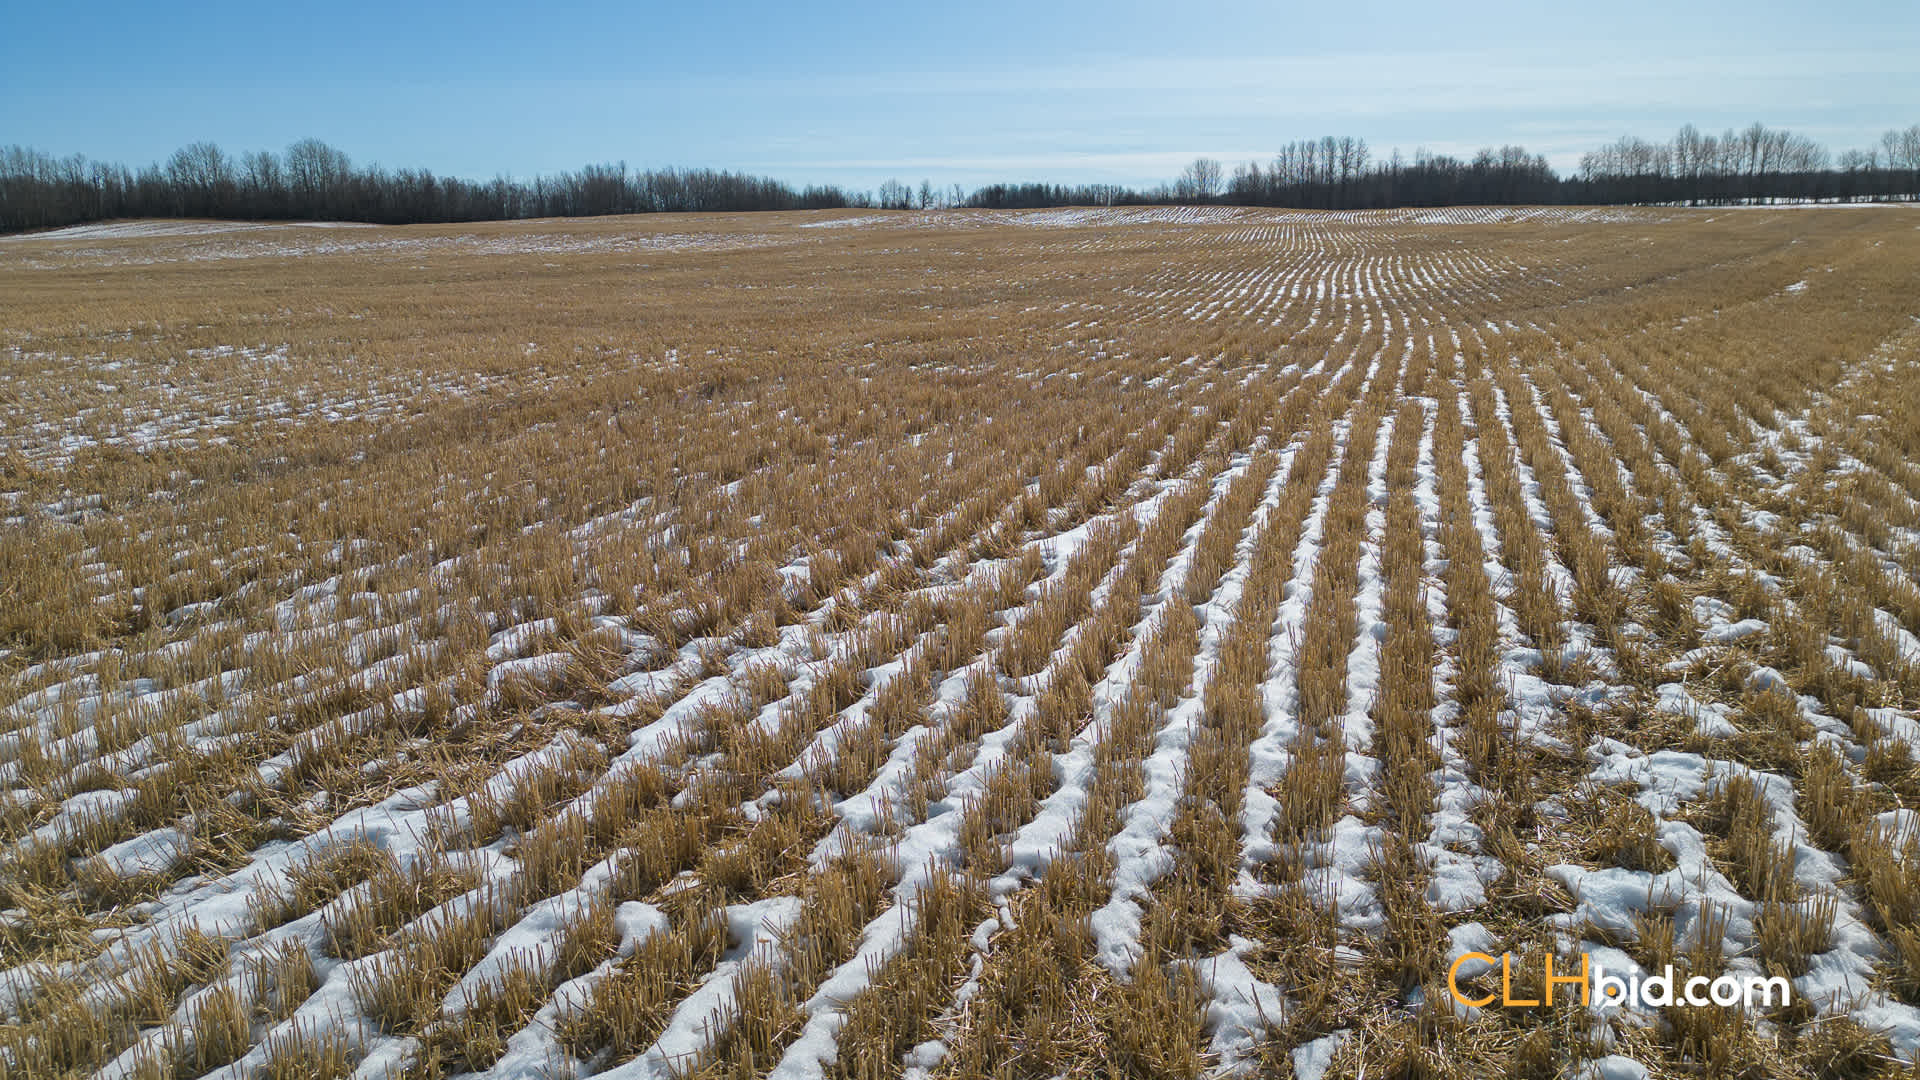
(1200, 180)
(895, 195)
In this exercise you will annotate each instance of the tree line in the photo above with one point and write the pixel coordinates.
(1752, 165)
(314, 181)
(1339, 173)
(1755, 163)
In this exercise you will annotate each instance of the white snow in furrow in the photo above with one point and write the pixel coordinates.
(1844, 978)
(1559, 579)
(1369, 604)
(933, 843)
(1139, 849)
(534, 1052)
(870, 811)
(1458, 877)
(1531, 710)
(1575, 479)
(1339, 870)
(1488, 527)
(1268, 755)
(397, 826)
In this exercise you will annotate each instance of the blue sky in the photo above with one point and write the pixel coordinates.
(854, 93)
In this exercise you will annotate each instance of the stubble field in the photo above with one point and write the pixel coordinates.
(1147, 643)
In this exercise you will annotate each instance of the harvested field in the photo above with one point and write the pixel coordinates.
(1152, 642)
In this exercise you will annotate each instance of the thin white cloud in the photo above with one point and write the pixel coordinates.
(1397, 82)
